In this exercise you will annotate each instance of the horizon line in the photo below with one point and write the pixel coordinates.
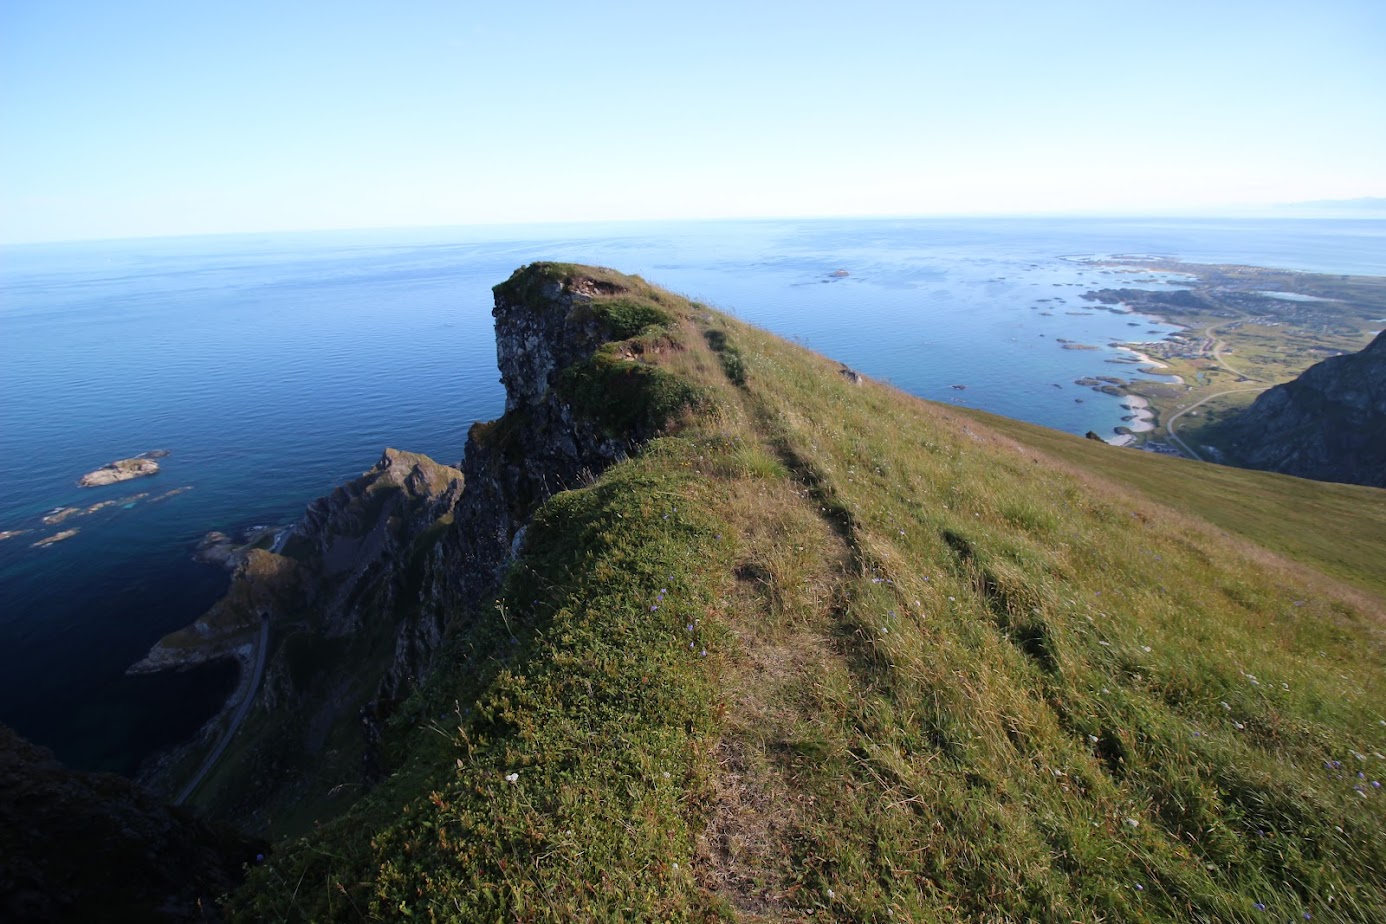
(1299, 211)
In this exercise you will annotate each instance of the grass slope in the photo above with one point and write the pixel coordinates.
(824, 649)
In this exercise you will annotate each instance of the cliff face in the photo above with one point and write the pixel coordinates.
(369, 582)
(547, 337)
(1329, 424)
(93, 847)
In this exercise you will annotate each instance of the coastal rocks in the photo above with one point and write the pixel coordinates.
(59, 515)
(55, 538)
(263, 583)
(139, 466)
(217, 548)
(223, 551)
(330, 614)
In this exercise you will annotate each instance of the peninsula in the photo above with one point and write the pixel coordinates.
(1246, 329)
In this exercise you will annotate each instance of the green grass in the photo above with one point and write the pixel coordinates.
(957, 668)
(1337, 528)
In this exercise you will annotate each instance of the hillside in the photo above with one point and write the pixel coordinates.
(792, 644)
(1329, 423)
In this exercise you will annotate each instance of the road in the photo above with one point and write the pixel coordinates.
(1169, 424)
(236, 719)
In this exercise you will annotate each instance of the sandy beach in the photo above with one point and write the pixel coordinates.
(1142, 420)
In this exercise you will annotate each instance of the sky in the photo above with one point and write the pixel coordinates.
(150, 118)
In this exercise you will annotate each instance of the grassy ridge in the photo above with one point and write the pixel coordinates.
(826, 649)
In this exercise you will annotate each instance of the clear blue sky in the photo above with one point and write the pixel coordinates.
(134, 118)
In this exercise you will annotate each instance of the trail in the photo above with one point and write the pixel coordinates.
(236, 719)
(1169, 425)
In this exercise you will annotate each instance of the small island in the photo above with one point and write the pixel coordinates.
(139, 466)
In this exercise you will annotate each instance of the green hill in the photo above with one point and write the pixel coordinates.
(822, 649)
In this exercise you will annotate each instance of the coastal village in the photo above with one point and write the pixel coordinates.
(1245, 330)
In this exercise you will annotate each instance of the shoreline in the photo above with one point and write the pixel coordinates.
(1141, 420)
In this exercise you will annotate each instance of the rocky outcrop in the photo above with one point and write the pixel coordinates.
(93, 847)
(360, 594)
(340, 594)
(138, 466)
(1328, 424)
(548, 329)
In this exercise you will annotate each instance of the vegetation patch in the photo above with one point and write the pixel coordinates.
(626, 316)
(626, 397)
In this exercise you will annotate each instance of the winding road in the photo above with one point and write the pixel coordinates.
(236, 719)
(1169, 424)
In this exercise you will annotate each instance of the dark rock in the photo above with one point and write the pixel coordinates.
(1328, 424)
(94, 847)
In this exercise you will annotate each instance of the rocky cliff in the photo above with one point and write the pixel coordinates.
(571, 409)
(1329, 424)
(345, 618)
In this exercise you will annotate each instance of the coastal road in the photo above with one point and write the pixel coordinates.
(1218, 346)
(236, 719)
(1169, 424)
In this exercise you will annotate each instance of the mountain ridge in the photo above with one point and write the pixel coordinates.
(1328, 424)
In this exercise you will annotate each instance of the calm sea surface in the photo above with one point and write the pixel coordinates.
(274, 367)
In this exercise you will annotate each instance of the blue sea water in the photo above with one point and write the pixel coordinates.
(274, 367)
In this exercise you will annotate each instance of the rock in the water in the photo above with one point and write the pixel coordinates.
(62, 513)
(55, 538)
(124, 469)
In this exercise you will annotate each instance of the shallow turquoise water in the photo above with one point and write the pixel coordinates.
(274, 367)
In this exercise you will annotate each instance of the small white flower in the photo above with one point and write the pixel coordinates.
(832, 894)
(1132, 823)
(512, 777)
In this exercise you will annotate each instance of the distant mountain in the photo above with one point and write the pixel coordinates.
(1361, 204)
(1328, 424)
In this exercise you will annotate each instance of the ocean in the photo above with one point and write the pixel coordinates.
(273, 367)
